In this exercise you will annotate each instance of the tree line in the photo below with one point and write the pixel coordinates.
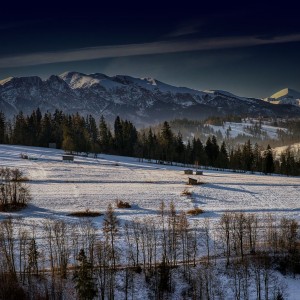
(78, 260)
(75, 133)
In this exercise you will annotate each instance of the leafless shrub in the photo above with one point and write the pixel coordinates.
(23, 156)
(122, 204)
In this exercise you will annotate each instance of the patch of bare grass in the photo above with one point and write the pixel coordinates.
(186, 192)
(195, 211)
(122, 204)
(85, 213)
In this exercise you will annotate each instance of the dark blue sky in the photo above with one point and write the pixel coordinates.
(249, 49)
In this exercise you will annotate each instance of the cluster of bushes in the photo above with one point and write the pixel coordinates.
(14, 193)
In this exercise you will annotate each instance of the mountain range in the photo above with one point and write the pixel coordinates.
(141, 100)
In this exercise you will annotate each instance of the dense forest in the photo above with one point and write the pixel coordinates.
(75, 133)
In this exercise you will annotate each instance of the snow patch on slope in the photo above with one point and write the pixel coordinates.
(287, 92)
(81, 81)
(285, 96)
(3, 81)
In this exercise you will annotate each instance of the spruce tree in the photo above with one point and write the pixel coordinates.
(83, 278)
(166, 139)
(118, 138)
(104, 136)
(248, 156)
(223, 160)
(33, 255)
(2, 127)
(268, 161)
(212, 150)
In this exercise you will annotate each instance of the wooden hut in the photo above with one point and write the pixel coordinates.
(52, 145)
(198, 172)
(188, 171)
(192, 181)
(68, 158)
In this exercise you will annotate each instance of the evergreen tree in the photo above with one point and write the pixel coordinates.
(248, 157)
(93, 134)
(166, 139)
(151, 142)
(288, 164)
(257, 159)
(80, 134)
(236, 159)
(188, 153)
(118, 135)
(33, 255)
(46, 130)
(68, 143)
(33, 130)
(58, 122)
(179, 148)
(129, 138)
(104, 136)
(20, 130)
(223, 160)
(83, 278)
(141, 147)
(200, 155)
(2, 128)
(268, 161)
(212, 150)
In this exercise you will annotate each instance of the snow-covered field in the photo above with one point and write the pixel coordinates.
(234, 129)
(58, 188)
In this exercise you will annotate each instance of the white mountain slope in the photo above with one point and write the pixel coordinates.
(285, 96)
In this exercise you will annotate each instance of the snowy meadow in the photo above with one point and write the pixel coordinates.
(59, 188)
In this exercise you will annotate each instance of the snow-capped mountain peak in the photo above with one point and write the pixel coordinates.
(285, 96)
(287, 92)
(4, 81)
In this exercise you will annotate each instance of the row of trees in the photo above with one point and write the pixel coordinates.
(64, 260)
(78, 134)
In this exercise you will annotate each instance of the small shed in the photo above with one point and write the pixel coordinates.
(68, 158)
(192, 181)
(52, 145)
(198, 172)
(188, 171)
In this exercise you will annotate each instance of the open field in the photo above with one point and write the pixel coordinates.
(59, 188)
